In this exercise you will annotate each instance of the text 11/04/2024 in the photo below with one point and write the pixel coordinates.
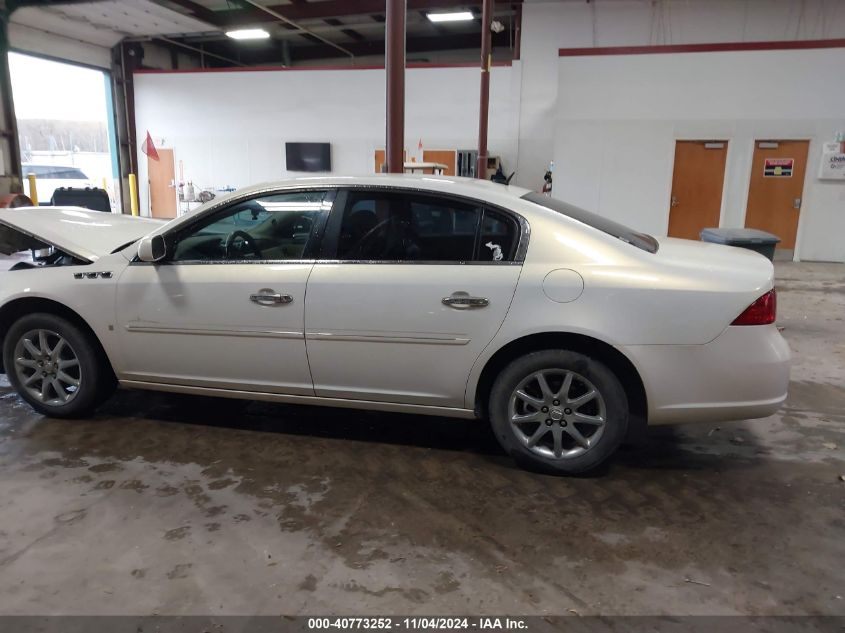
(419, 623)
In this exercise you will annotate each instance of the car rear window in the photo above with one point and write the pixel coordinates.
(619, 231)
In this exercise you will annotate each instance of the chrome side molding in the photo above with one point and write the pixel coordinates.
(374, 405)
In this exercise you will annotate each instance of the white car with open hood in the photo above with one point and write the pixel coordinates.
(434, 295)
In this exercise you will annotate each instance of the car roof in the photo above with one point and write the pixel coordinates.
(484, 190)
(470, 187)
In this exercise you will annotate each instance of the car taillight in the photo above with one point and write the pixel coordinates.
(762, 312)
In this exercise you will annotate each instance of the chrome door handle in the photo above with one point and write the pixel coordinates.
(268, 297)
(463, 301)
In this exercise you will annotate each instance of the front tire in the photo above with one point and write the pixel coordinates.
(558, 411)
(56, 366)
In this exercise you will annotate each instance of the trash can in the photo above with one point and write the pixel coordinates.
(753, 239)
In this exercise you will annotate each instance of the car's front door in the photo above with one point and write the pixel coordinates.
(225, 308)
(412, 289)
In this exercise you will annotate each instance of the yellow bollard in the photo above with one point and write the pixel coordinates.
(33, 192)
(133, 193)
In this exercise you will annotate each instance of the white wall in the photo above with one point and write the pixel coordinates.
(229, 128)
(619, 117)
(550, 25)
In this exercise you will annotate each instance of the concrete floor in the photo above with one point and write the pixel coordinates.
(176, 505)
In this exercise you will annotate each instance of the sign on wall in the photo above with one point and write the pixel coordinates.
(832, 166)
(778, 167)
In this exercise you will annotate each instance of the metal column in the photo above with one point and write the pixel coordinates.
(10, 155)
(486, 63)
(126, 58)
(394, 64)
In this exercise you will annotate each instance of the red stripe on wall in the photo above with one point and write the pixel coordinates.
(785, 45)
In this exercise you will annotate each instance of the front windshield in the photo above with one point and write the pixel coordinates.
(122, 246)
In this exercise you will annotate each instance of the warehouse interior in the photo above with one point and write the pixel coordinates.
(667, 116)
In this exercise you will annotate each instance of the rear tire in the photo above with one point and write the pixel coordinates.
(56, 366)
(558, 412)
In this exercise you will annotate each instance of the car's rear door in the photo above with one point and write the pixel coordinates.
(226, 308)
(409, 290)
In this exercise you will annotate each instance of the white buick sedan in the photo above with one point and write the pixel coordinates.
(434, 295)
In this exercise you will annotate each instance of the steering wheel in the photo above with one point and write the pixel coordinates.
(363, 244)
(247, 238)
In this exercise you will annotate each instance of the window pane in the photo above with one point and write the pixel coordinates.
(446, 230)
(276, 227)
(498, 238)
(643, 241)
(395, 227)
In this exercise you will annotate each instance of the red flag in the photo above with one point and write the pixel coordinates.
(419, 145)
(149, 148)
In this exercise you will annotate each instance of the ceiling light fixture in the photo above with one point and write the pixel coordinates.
(248, 34)
(458, 16)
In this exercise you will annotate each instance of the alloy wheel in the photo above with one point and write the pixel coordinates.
(47, 367)
(557, 413)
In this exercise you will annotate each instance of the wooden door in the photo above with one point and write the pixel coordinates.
(162, 177)
(777, 187)
(446, 156)
(697, 185)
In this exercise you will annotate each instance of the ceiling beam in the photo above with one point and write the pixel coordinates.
(333, 9)
(279, 17)
(355, 35)
(171, 42)
(12, 5)
(271, 56)
(201, 12)
(422, 44)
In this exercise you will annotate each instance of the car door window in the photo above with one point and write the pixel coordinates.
(390, 226)
(498, 239)
(275, 227)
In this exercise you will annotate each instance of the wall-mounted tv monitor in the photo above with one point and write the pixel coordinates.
(308, 156)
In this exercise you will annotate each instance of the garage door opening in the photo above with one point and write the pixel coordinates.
(65, 126)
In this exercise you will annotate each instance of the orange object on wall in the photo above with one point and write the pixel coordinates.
(13, 200)
(447, 157)
(162, 177)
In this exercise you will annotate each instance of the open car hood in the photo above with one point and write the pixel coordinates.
(84, 234)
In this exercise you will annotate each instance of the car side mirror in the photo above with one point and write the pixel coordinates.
(152, 249)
